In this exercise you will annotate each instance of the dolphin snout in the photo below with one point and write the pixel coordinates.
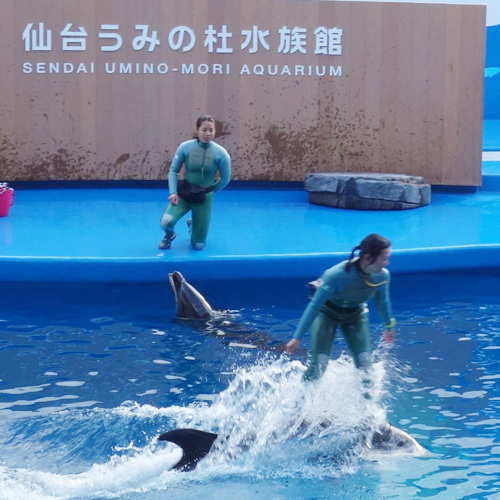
(176, 279)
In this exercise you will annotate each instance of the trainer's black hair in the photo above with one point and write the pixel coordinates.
(204, 118)
(372, 245)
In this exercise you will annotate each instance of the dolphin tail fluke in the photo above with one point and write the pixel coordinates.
(195, 445)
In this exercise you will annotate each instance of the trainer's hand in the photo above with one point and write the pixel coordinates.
(174, 199)
(389, 336)
(292, 345)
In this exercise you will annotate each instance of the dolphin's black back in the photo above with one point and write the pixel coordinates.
(195, 445)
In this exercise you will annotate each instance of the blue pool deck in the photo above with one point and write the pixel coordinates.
(112, 234)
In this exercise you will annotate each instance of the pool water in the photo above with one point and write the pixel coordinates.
(91, 374)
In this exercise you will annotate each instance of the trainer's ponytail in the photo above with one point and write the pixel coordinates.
(351, 257)
(372, 245)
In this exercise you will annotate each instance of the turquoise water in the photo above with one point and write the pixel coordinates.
(91, 374)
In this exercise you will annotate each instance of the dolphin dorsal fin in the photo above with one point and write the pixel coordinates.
(195, 445)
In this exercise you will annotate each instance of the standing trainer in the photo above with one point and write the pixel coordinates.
(340, 300)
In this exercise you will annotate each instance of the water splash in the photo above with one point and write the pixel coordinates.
(268, 406)
(120, 475)
(271, 425)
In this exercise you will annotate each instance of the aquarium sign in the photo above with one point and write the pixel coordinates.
(321, 41)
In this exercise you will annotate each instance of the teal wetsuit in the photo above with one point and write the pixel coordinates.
(201, 162)
(340, 300)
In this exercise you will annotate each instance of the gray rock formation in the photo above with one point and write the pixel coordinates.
(367, 191)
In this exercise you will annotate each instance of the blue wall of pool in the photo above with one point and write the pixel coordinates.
(492, 74)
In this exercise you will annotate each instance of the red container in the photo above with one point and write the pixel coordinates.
(6, 199)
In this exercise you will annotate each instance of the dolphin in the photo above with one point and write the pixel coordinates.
(392, 438)
(196, 444)
(189, 302)
(192, 306)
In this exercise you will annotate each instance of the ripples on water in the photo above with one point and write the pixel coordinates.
(91, 375)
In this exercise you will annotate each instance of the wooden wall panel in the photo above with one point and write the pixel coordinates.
(409, 99)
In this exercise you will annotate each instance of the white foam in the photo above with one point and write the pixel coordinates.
(121, 475)
(71, 383)
(245, 346)
(148, 392)
(157, 332)
(24, 390)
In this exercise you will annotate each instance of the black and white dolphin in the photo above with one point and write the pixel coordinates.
(196, 444)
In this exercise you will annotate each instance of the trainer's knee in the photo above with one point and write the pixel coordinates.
(165, 221)
(199, 245)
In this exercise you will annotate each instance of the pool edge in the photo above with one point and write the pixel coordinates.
(238, 266)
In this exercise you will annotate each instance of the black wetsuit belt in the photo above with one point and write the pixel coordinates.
(341, 310)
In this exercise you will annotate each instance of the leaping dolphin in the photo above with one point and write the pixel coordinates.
(197, 444)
